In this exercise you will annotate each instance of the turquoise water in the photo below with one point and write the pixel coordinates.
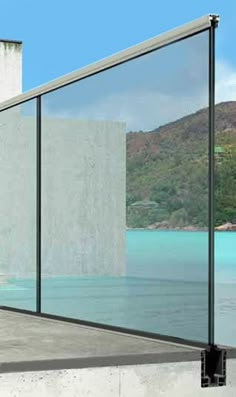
(180, 255)
(170, 255)
(163, 289)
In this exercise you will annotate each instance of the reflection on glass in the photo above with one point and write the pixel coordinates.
(17, 206)
(225, 221)
(125, 194)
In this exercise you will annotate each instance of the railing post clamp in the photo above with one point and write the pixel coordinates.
(213, 367)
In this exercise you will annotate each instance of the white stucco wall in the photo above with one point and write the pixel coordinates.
(83, 196)
(10, 69)
(151, 380)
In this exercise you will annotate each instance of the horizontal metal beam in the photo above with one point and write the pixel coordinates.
(154, 43)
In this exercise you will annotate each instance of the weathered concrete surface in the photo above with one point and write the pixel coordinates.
(10, 69)
(83, 195)
(42, 357)
(174, 379)
(151, 380)
(29, 342)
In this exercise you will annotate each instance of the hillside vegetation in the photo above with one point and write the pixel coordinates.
(167, 171)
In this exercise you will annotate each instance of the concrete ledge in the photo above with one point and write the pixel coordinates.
(151, 380)
(30, 343)
(102, 361)
(11, 41)
(41, 356)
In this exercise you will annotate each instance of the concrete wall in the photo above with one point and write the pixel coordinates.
(83, 196)
(10, 69)
(17, 193)
(151, 380)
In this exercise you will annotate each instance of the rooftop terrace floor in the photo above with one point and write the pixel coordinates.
(30, 343)
(34, 343)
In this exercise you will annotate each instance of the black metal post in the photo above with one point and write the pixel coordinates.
(38, 207)
(211, 270)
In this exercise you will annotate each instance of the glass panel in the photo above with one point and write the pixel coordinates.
(125, 194)
(225, 198)
(17, 206)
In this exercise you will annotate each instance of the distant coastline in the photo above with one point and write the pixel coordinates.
(227, 227)
(165, 226)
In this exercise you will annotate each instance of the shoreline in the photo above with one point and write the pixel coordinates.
(165, 226)
(179, 229)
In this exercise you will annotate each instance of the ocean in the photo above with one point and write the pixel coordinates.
(164, 288)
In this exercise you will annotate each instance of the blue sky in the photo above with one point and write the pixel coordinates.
(61, 36)
(144, 93)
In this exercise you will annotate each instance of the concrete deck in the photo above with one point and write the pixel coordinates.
(44, 357)
(30, 343)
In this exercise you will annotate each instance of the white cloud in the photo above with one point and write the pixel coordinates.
(147, 109)
(225, 82)
(139, 109)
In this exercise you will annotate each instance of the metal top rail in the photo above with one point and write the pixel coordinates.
(146, 46)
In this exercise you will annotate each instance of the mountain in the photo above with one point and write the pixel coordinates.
(167, 171)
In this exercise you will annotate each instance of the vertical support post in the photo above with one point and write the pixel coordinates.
(38, 207)
(211, 209)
